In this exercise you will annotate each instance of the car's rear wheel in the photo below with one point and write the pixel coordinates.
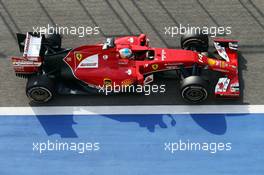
(194, 89)
(40, 89)
(54, 40)
(196, 42)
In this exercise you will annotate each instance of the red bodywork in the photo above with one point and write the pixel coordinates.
(96, 66)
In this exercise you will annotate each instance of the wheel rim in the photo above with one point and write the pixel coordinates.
(194, 93)
(39, 94)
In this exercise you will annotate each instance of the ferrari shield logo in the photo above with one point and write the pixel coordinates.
(155, 66)
(79, 56)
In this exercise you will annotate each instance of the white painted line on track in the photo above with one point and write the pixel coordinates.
(104, 110)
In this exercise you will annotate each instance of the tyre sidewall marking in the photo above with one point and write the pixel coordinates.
(42, 88)
(195, 87)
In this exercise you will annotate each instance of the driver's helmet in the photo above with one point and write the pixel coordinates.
(125, 53)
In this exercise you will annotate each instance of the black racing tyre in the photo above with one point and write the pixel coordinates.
(196, 42)
(194, 89)
(40, 89)
(53, 40)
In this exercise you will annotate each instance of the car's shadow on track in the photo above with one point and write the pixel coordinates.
(60, 125)
(212, 123)
(63, 125)
(150, 122)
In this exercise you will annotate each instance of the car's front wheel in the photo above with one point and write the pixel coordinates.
(194, 89)
(195, 41)
(40, 89)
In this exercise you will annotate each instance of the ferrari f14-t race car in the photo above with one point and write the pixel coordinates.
(125, 61)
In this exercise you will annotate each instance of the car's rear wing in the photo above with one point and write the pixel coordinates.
(31, 61)
(21, 41)
(29, 40)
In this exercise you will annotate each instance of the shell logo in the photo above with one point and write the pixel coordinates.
(211, 62)
(127, 82)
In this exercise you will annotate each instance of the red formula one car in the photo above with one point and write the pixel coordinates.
(125, 61)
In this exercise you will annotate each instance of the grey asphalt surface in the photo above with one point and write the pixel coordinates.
(126, 17)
